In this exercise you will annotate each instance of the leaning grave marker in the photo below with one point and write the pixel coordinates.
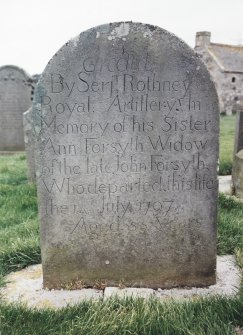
(29, 145)
(126, 159)
(16, 92)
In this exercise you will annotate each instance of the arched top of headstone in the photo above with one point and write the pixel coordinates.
(147, 39)
(13, 73)
(120, 32)
(125, 117)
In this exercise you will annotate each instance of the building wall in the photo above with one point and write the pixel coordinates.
(229, 84)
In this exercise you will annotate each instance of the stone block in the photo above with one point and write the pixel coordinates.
(126, 118)
(111, 292)
(237, 174)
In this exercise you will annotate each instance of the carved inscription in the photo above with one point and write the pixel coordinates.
(149, 125)
(126, 124)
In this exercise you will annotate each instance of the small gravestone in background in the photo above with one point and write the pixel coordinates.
(237, 170)
(126, 118)
(16, 91)
(29, 145)
(238, 132)
(237, 174)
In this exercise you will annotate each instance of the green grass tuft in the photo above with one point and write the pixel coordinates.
(19, 231)
(215, 316)
(230, 225)
(20, 247)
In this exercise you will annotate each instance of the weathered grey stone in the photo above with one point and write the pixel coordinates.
(29, 145)
(237, 170)
(227, 284)
(126, 118)
(131, 292)
(25, 287)
(237, 174)
(238, 132)
(16, 91)
(225, 184)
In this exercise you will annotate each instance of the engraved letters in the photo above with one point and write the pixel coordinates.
(126, 123)
(128, 97)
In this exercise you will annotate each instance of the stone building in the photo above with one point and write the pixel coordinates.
(225, 63)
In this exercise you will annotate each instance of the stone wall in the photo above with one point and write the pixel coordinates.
(229, 84)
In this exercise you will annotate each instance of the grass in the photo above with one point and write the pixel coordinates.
(215, 316)
(19, 240)
(230, 225)
(227, 130)
(19, 247)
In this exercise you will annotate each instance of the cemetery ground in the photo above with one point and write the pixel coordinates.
(19, 247)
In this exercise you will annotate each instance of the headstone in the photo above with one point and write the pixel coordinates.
(29, 145)
(127, 150)
(237, 169)
(237, 174)
(16, 92)
(238, 132)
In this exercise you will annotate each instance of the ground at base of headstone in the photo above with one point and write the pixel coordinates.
(239, 331)
(25, 287)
